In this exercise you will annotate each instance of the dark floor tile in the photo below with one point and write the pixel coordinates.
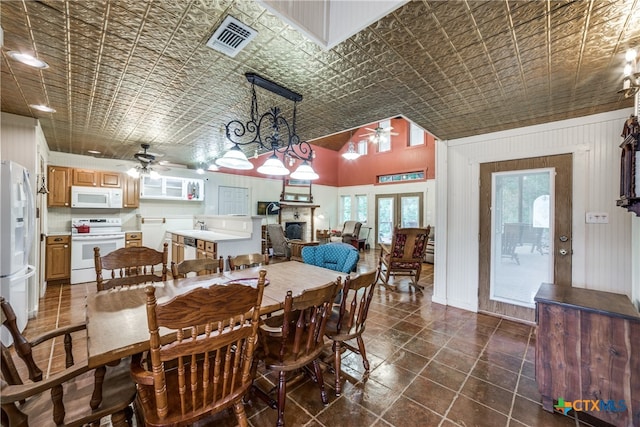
(529, 369)
(344, 412)
(392, 376)
(488, 394)
(407, 413)
(469, 413)
(532, 414)
(380, 348)
(495, 375)
(408, 327)
(408, 360)
(371, 395)
(455, 359)
(294, 415)
(515, 327)
(433, 337)
(430, 394)
(442, 374)
(395, 337)
(528, 388)
(445, 327)
(464, 346)
(422, 347)
(495, 357)
(514, 346)
(307, 394)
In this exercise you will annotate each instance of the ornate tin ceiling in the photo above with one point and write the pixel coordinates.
(126, 72)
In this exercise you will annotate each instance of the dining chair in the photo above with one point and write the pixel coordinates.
(198, 266)
(130, 266)
(404, 256)
(74, 395)
(348, 320)
(206, 367)
(240, 262)
(295, 339)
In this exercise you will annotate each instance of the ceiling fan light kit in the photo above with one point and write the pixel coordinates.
(351, 153)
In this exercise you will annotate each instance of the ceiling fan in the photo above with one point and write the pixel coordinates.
(375, 135)
(147, 163)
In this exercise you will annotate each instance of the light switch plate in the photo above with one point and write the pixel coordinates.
(597, 218)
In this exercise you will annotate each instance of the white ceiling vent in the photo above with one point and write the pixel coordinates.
(231, 36)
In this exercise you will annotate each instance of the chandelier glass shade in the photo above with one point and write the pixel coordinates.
(351, 153)
(266, 132)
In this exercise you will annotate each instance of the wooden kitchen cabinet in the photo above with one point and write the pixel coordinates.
(206, 249)
(132, 239)
(131, 192)
(177, 248)
(59, 184)
(58, 258)
(587, 347)
(93, 178)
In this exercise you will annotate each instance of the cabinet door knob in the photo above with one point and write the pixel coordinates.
(66, 246)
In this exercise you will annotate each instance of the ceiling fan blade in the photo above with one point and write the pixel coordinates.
(371, 130)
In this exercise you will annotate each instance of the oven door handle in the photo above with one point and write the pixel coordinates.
(90, 238)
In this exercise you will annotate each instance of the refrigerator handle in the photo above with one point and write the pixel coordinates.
(31, 222)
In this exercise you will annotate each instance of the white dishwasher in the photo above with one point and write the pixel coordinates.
(189, 247)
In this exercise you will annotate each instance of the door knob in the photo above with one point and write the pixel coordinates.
(563, 252)
(563, 238)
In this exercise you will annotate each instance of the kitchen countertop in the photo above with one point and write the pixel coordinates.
(58, 233)
(210, 235)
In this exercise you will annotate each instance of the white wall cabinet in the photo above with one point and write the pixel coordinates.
(172, 188)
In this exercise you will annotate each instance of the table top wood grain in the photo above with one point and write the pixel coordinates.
(117, 318)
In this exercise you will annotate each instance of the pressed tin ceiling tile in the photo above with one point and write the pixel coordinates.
(139, 70)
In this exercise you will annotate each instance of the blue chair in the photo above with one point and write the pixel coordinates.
(334, 256)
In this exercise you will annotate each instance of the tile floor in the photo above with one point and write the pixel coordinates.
(431, 365)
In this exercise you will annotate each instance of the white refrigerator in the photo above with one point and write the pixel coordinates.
(17, 225)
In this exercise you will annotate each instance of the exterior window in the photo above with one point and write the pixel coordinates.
(385, 139)
(416, 136)
(362, 147)
(361, 208)
(345, 207)
(409, 176)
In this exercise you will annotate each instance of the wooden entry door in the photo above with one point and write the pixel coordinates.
(516, 247)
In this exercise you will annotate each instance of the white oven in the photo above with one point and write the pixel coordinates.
(103, 233)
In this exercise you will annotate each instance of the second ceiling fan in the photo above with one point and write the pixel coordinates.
(378, 133)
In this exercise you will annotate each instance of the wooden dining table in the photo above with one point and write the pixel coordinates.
(117, 318)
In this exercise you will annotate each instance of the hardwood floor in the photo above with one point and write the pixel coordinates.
(431, 365)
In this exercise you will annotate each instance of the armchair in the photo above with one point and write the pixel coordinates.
(334, 256)
(279, 242)
(349, 234)
(72, 396)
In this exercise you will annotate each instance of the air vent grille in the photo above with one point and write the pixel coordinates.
(231, 37)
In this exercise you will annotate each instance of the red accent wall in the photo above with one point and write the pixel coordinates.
(336, 171)
(402, 158)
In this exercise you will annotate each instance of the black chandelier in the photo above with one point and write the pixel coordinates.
(269, 132)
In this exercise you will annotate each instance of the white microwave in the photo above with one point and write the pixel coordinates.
(96, 197)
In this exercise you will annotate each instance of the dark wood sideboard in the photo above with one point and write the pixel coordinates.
(588, 347)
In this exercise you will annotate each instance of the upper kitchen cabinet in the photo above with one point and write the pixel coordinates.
(131, 192)
(172, 188)
(59, 182)
(93, 178)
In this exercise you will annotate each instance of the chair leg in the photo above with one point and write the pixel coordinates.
(241, 416)
(282, 397)
(363, 353)
(337, 357)
(323, 392)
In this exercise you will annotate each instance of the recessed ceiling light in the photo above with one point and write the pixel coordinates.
(25, 58)
(93, 152)
(44, 108)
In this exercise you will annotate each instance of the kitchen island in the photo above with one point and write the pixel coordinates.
(223, 236)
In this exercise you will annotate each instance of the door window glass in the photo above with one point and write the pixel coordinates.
(521, 209)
